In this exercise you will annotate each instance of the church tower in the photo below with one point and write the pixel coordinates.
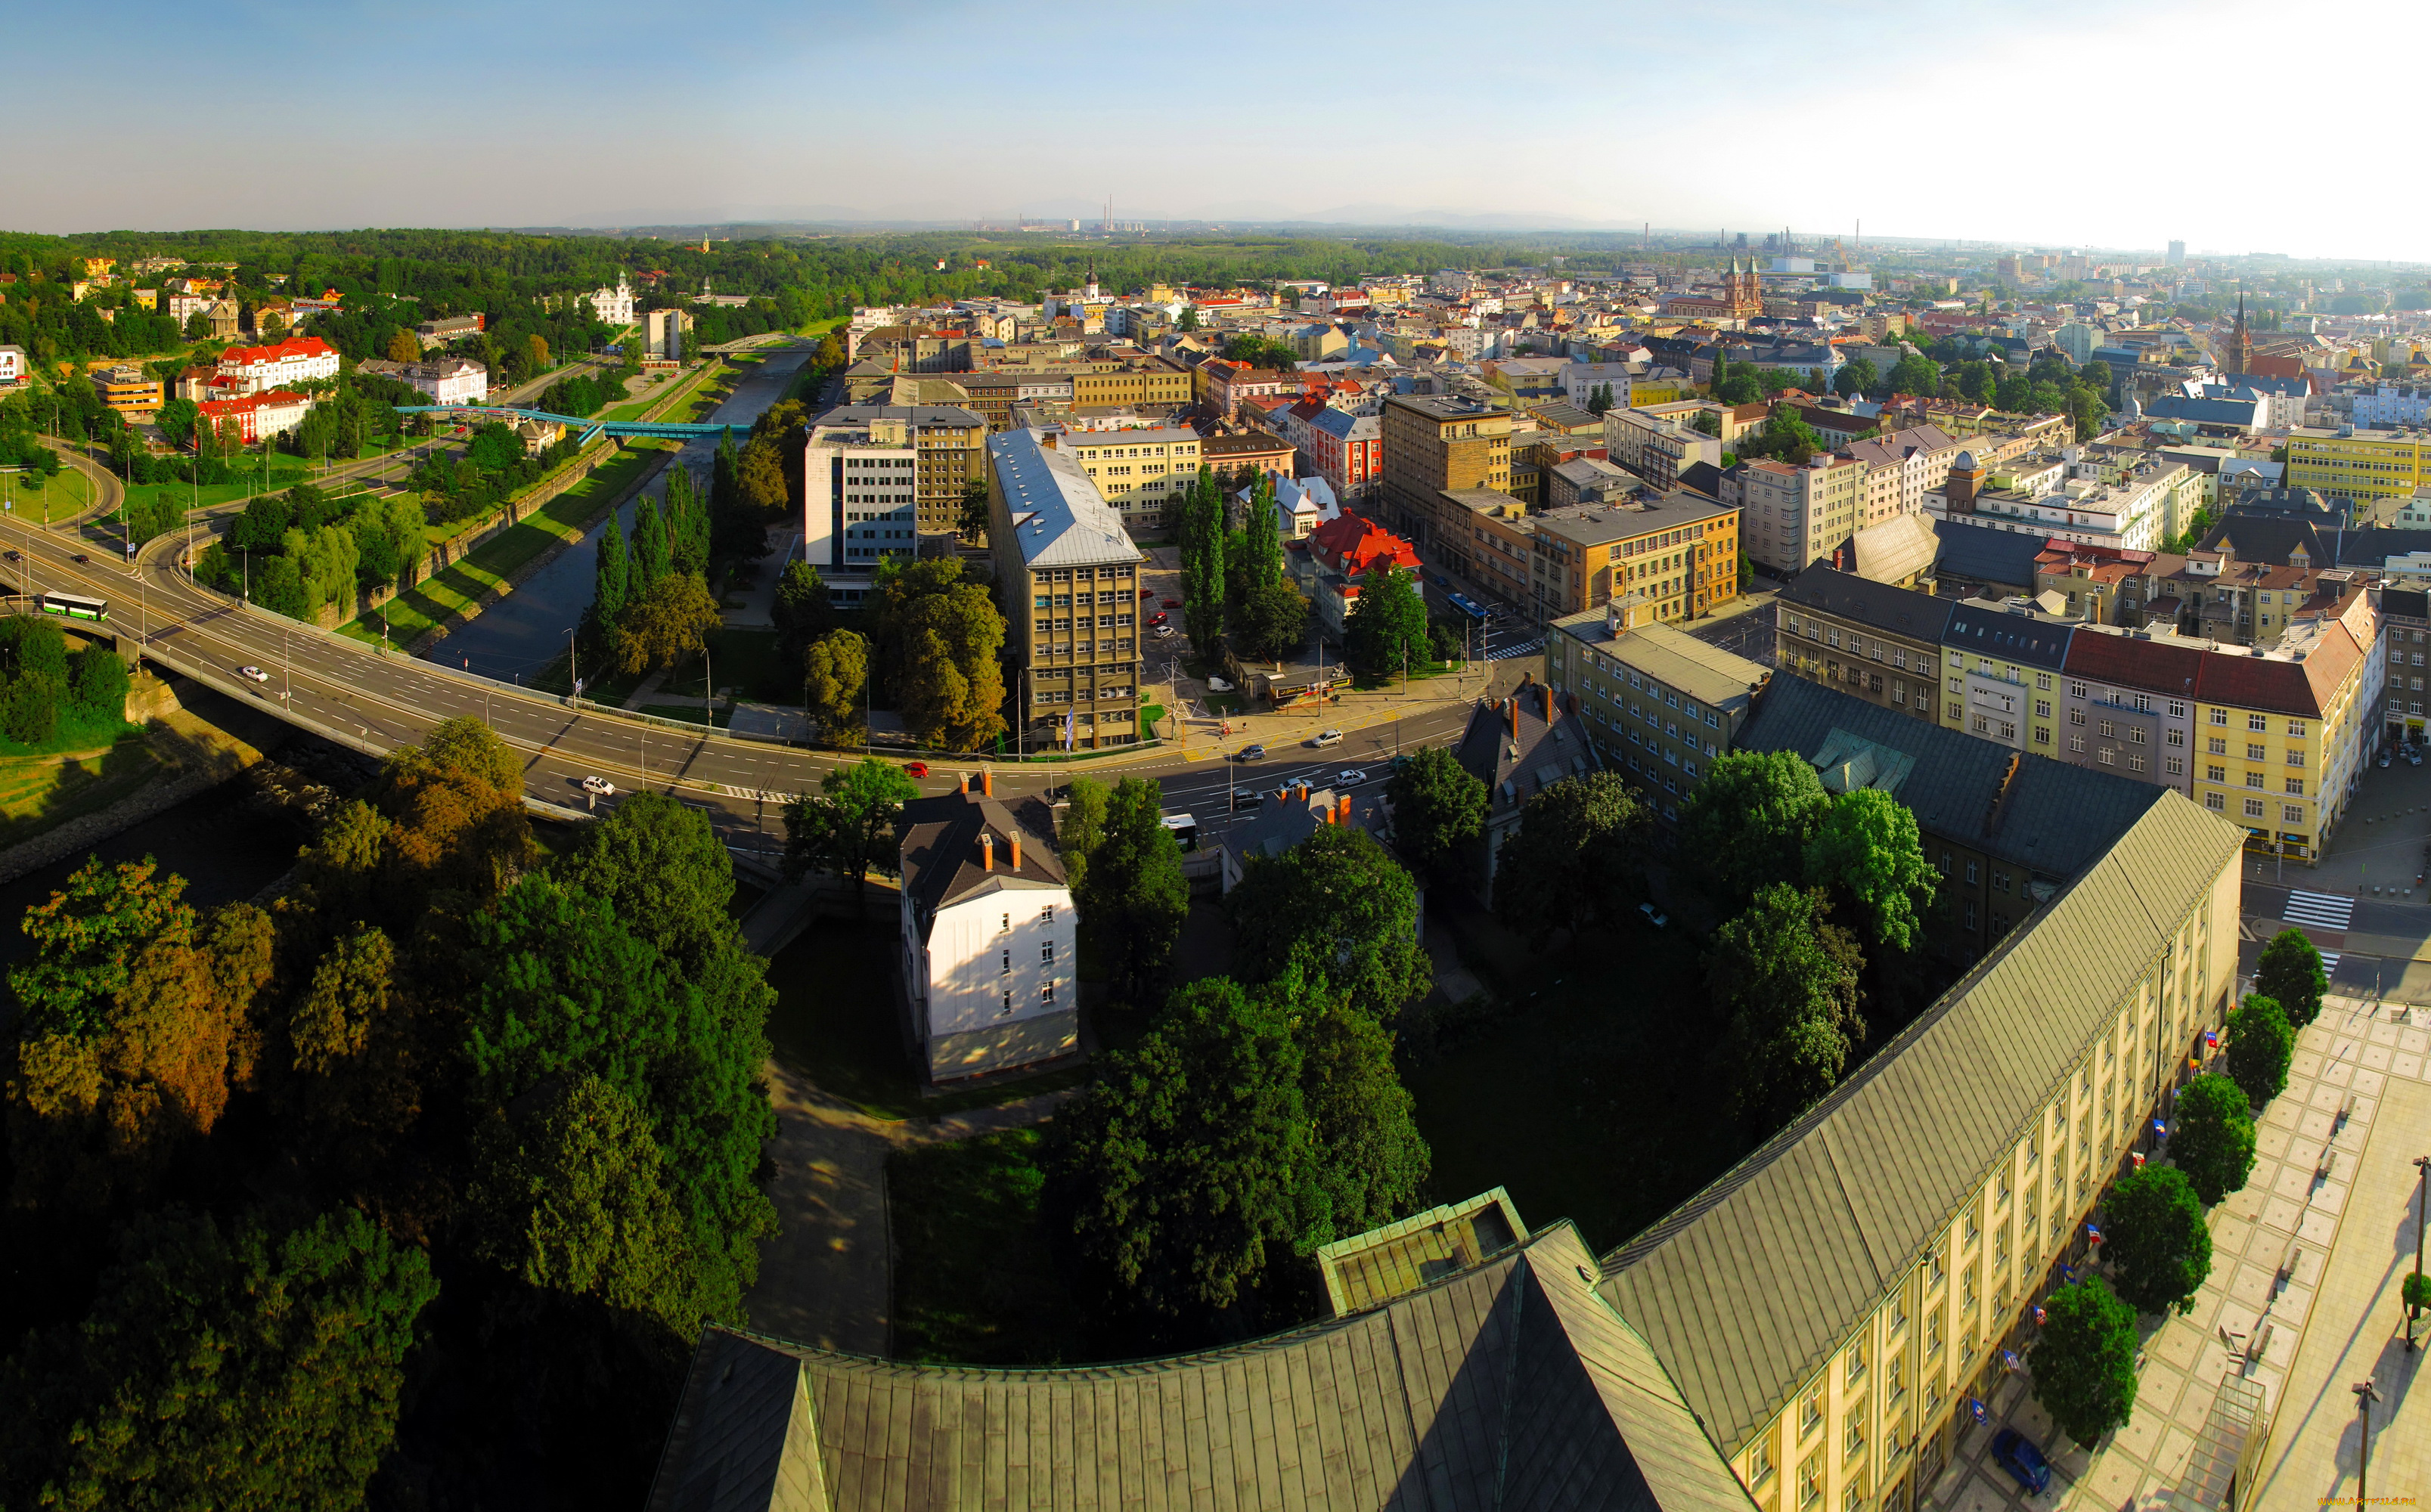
(2241, 341)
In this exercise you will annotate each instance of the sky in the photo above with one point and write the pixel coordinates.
(2055, 123)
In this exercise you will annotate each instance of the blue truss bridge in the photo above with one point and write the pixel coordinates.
(586, 429)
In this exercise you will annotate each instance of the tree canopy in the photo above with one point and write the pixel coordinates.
(2290, 974)
(1577, 859)
(1438, 810)
(2084, 1364)
(1868, 851)
(2213, 1139)
(847, 828)
(1340, 909)
(1132, 894)
(1386, 628)
(2261, 1045)
(1748, 824)
(2156, 1243)
(1784, 981)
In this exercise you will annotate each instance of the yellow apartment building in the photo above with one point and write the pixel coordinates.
(2354, 463)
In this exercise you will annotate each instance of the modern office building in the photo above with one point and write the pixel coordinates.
(877, 477)
(1067, 579)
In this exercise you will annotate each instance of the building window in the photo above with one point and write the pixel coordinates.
(2292, 813)
(1853, 1434)
(2219, 716)
(2254, 808)
(2076, 690)
(2257, 723)
(1008, 964)
(2176, 765)
(2253, 780)
(1810, 1482)
(2255, 753)
(1046, 992)
(2076, 717)
(1856, 1364)
(1810, 1413)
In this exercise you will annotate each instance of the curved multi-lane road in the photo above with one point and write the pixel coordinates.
(378, 701)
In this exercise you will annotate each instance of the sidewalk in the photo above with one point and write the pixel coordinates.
(2282, 1209)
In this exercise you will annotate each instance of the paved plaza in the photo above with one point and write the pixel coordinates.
(2302, 1302)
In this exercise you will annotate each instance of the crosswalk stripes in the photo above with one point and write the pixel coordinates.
(1505, 653)
(2322, 910)
(2329, 964)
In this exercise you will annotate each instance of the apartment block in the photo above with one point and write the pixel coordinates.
(1866, 639)
(2345, 463)
(1676, 554)
(1655, 447)
(1432, 446)
(877, 477)
(1067, 579)
(1658, 704)
(1138, 472)
(1794, 516)
(127, 389)
(2000, 666)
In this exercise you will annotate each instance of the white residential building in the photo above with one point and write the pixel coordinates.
(1581, 379)
(614, 306)
(12, 365)
(990, 953)
(448, 379)
(259, 369)
(1791, 516)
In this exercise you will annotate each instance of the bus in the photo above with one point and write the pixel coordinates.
(75, 606)
(1185, 830)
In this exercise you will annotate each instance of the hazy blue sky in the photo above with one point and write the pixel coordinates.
(2057, 122)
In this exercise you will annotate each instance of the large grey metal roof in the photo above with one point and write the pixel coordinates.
(1752, 1285)
(1510, 1386)
(1058, 517)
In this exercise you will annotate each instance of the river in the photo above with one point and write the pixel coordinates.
(527, 629)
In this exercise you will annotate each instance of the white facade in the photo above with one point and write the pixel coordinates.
(2391, 405)
(259, 369)
(13, 365)
(1581, 380)
(994, 959)
(860, 500)
(614, 306)
(450, 381)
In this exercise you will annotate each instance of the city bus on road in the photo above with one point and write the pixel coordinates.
(75, 606)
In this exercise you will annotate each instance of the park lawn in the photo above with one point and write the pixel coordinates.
(34, 501)
(975, 1275)
(744, 659)
(460, 584)
(39, 791)
(1584, 1093)
(838, 1021)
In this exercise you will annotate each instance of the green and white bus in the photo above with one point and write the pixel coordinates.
(76, 606)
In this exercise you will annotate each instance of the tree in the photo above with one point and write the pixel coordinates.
(2156, 1240)
(1338, 909)
(1784, 981)
(971, 519)
(571, 1196)
(1600, 400)
(2213, 1142)
(34, 656)
(1372, 1161)
(2084, 1365)
(1748, 824)
(1577, 859)
(1271, 621)
(659, 868)
(835, 675)
(101, 683)
(403, 346)
(2261, 1045)
(1177, 1172)
(1135, 898)
(1439, 810)
(236, 1367)
(459, 826)
(1386, 628)
(848, 828)
(1868, 851)
(608, 578)
(566, 990)
(1081, 828)
(759, 484)
(1188, 320)
(1916, 374)
(670, 622)
(1202, 562)
(952, 685)
(802, 611)
(1855, 377)
(85, 942)
(2290, 974)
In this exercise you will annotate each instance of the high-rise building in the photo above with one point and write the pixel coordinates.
(1067, 578)
(875, 477)
(1433, 444)
(2177, 253)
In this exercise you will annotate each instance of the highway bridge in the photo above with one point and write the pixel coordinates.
(357, 695)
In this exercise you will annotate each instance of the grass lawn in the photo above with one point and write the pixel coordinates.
(81, 776)
(742, 658)
(461, 583)
(976, 1278)
(33, 500)
(836, 1020)
(285, 473)
(635, 409)
(1582, 1095)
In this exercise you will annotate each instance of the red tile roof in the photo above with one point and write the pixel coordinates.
(279, 351)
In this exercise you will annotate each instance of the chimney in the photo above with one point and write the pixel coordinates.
(987, 783)
(1013, 842)
(1545, 693)
(1299, 792)
(1511, 714)
(987, 851)
(1342, 809)
(967, 784)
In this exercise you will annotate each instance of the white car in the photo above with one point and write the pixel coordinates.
(1327, 737)
(1351, 777)
(253, 674)
(599, 786)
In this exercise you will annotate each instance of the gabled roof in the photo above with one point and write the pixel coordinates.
(942, 862)
(1511, 1384)
(1749, 1287)
(1979, 553)
(1522, 744)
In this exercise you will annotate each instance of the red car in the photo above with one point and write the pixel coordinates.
(1173, 603)
(1156, 619)
(1148, 593)
(916, 768)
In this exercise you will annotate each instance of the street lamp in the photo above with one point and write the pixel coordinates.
(2365, 1394)
(2421, 1197)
